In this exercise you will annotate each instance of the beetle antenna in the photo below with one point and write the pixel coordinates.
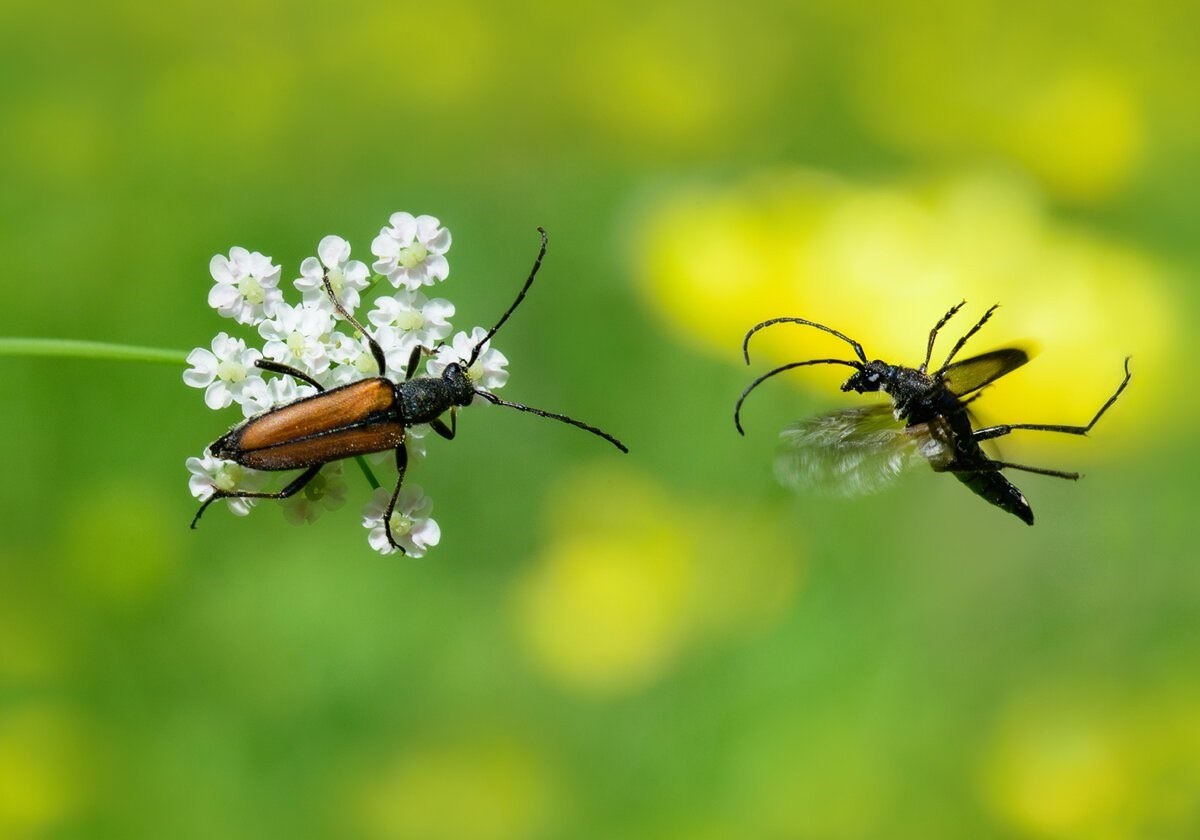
(520, 297)
(858, 351)
(737, 411)
(492, 398)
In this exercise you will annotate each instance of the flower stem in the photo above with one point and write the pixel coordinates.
(95, 350)
(362, 465)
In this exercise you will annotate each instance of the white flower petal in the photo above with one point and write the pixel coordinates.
(333, 250)
(218, 395)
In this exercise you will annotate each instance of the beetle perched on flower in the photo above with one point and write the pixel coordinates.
(344, 415)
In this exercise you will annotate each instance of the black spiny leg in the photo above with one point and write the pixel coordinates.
(291, 490)
(442, 429)
(970, 332)
(998, 431)
(933, 333)
(401, 466)
(414, 359)
(287, 370)
(996, 466)
(973, 397)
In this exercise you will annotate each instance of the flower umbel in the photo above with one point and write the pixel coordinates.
(412, 526)
(412, 251)
(245, 287)
(408, 319)
(347, 277)
(211, 474)
(307, 347)
(227, 373)
(327, 491)
(298, 335)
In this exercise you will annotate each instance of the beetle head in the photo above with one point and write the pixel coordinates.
(873, 376)
(459, 382)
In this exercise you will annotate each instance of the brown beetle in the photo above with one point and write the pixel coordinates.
(362, 417)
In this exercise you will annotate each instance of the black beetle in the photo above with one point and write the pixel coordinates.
(928, 420)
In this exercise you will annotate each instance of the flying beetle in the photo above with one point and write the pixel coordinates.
(859, 450)
(370, 415)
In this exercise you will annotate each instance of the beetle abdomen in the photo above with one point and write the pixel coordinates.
(998, 490)
(352, 420)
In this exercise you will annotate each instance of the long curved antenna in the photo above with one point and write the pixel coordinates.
(737, 411)
(858, 351)
(520, 297)
(492, 398)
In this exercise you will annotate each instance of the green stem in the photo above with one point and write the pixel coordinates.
(94, 350)
(362, 465)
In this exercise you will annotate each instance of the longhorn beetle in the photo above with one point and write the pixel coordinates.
(363, 417)
(858, 450)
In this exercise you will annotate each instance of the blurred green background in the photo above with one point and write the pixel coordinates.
(658, 645)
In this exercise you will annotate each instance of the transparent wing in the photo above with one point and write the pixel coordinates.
(852, 452)
(972, 374)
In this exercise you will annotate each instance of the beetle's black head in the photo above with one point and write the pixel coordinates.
(456, 379)
(873, 376)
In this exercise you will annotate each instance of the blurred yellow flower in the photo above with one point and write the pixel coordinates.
(43, 770)
(632, 576)
(882, 263)
(1081, 134)
(1059, 773)
(1083, 762)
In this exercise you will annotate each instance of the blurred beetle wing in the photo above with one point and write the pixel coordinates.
(853, 451)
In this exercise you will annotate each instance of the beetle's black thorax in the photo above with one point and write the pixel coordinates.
(426, 398)
(917, 396)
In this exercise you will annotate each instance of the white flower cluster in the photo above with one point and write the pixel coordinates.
(310, 336)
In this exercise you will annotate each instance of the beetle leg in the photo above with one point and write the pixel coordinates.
(973, 397)
(933, 334)
(998, 431)
(413, 360)
(292, 489)
(996, 466)
(288, 370)
(442, 429)
(376, 350)
(401, 466)
(970, 332)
